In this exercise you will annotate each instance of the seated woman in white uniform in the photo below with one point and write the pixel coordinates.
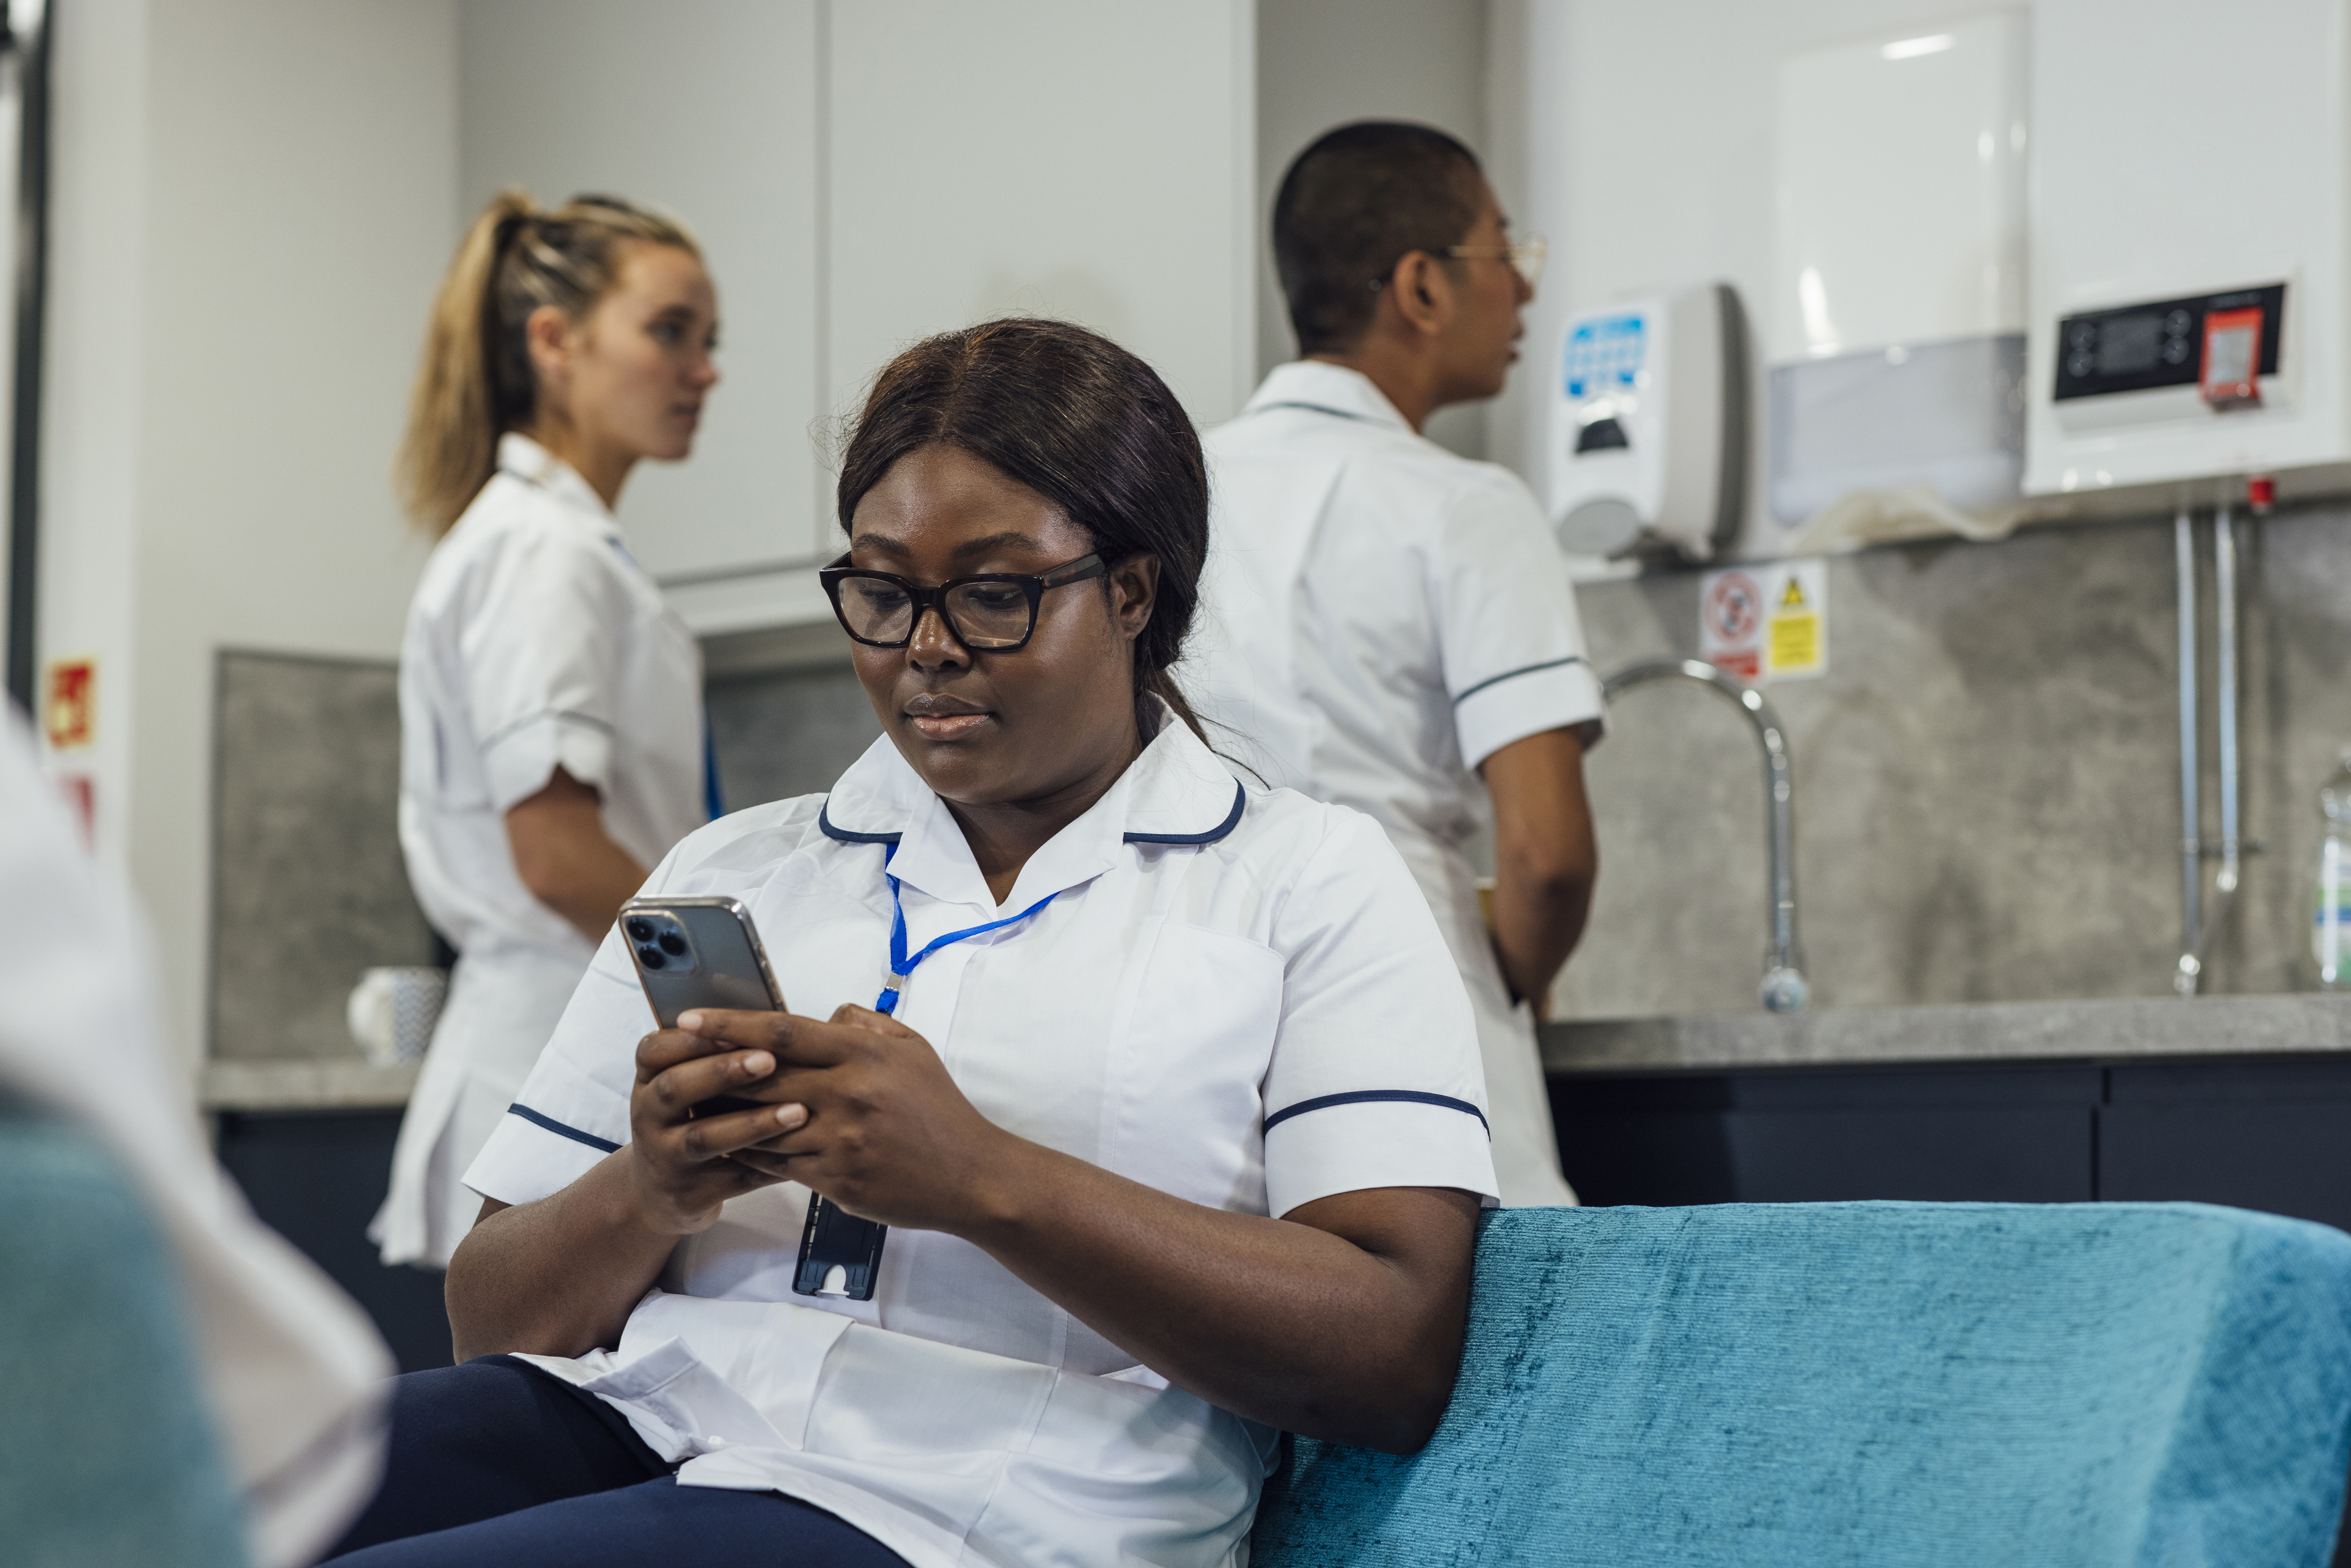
(552, 744)
(1164, 1083)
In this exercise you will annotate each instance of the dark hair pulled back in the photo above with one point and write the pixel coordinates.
(1354, 203)
(1079, 421)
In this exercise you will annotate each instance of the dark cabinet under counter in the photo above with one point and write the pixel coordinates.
(2266, 1133)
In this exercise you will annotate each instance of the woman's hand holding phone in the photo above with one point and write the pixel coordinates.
(880, 1127)
(682, 1161)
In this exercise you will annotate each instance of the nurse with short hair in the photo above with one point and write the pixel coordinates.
(552, 742)
(1164, 1083)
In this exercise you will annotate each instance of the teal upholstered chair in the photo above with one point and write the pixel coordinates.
(1880, 1385)
(108, 1457)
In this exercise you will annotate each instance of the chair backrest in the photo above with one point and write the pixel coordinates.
(107, 1452)
(1888, 1385)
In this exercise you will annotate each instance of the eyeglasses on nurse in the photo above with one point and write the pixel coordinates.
(994, 610)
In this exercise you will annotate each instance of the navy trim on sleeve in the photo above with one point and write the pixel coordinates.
(1359, 1096)
(1514, 675)
(552, 1125)
(1240, 802)
(824, 821)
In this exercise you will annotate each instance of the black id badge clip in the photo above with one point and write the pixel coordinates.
(839, 1254)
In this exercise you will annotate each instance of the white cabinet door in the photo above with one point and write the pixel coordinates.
(1086, 159)
(864, 174)
(710, 110)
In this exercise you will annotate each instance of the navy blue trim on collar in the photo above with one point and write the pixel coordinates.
(1360, 1096)
(1232, 821)
(561, 1130)
(1317, 408)
(824, 821)
(1514, 675)
(1240, 800)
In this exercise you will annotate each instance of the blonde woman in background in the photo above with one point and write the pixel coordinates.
(552, 741)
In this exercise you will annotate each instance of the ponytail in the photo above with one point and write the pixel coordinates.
(477, 381)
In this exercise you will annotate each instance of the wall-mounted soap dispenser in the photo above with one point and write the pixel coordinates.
(1649, 425)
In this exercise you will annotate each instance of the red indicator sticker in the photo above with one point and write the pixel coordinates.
(71, 706)
(2232, 358)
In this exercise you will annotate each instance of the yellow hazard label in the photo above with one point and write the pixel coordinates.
(1793, 596)
(1795, 640)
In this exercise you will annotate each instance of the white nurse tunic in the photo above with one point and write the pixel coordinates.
(1234, 996)
(1379, 617)
(535, 642)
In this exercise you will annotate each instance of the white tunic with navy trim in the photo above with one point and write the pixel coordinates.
(1239, 998)
(535, 642)
(1379, 617)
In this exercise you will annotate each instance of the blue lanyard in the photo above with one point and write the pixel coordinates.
(901, 968)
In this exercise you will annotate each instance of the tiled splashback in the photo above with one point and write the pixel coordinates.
(308, 886)
(786, 732)
(1987, 780)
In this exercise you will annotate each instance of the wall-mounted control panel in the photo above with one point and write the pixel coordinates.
(2190, 273)
(2163, 342)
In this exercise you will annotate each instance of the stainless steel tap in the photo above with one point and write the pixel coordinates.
(1784, 989)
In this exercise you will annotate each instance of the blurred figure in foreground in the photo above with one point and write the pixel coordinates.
(552, 743)
(141, 1378)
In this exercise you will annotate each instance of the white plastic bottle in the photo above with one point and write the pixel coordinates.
(2330, 937)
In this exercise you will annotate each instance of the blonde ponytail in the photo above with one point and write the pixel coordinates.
(477, 381)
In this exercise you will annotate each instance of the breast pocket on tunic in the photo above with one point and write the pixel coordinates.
(1183, 1091)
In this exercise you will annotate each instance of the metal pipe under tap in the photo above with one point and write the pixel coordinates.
(2191, 874)
(2198, 924)
(1784, 988)
(2224, 683)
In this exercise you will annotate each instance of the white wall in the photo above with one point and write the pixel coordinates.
(867, 173)
(254, 202)
(1322, 63)
(1646, 155)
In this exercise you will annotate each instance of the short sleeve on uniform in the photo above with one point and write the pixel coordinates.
(541, 650)
(574, 1107)
(1511, 643)
(1376, 1079)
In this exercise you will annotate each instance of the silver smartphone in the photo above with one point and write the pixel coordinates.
(706, 952)
(698, 953)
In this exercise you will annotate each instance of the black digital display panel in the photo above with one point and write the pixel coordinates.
(2128, 344)
(2158, 344)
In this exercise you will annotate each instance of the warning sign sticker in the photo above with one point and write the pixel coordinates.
(1766, 622)
(1730, 623)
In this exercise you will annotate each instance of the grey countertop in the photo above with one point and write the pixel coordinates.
(329, 1083)
(2005, 1031)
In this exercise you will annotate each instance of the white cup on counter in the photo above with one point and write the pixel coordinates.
(391, 1012)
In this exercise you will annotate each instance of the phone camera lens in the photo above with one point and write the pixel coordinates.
(672, 944)
(651, 957)
(640, 930)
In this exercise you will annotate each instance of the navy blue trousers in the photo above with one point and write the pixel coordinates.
(496, 1462)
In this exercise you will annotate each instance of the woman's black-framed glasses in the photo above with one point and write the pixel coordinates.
(995, 612)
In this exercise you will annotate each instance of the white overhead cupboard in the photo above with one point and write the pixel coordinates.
(864, 174)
